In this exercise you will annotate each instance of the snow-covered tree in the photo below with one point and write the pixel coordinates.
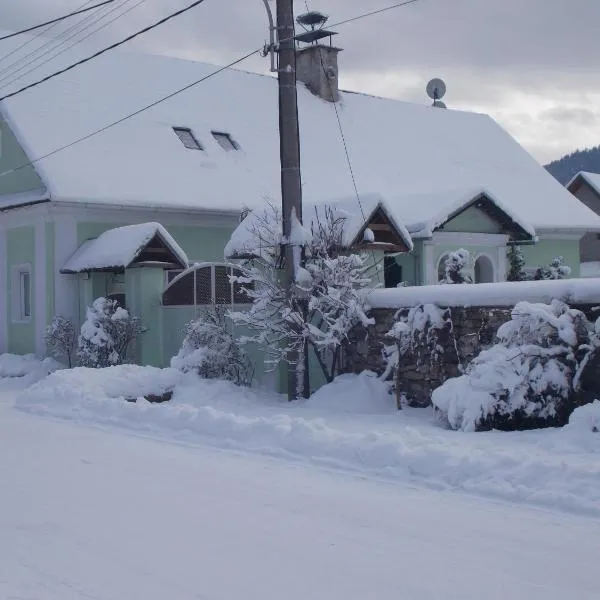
(516, 264)
(529, 378)
(456, 267)
(106, 334)
(210, 350)
(555, 270)
(60, 339)
(323, 306)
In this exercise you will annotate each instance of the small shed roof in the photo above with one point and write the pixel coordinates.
(119, 248)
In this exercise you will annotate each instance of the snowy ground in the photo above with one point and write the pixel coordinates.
(223, 496)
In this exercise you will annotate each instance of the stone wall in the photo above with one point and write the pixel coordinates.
(468, 331)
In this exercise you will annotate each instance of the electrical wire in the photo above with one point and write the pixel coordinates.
(66, 40)
(104, 50)
(164, 98)
(57, 20)
(32, 39)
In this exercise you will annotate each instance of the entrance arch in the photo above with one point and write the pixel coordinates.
(484, 270)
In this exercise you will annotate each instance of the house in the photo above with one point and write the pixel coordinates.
(78, 173)
(586, 188)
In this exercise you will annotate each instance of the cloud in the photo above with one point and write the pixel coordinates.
(528, 63)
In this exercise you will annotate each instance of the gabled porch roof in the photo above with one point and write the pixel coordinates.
(120, 248)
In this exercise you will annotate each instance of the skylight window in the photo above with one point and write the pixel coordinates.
(187, 138)
(225, 141)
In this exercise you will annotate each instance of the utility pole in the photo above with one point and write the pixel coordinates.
(291, 187)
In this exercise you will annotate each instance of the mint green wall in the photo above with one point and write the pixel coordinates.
(20, 249)
(410, 265)
(49, 251)
(87, 231)
(202, 243)
(11, 156)
(472, 220)
(546, 249)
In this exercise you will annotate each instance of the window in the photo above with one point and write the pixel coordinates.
(392, 271)
(21, 293)
(187, 138)
(205, 284)
(225, 141)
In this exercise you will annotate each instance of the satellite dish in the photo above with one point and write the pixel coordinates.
(436, 89)
(439, 104)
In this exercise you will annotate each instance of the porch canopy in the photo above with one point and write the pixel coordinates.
(123, 247)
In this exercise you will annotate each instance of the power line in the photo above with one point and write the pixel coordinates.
(374, 12)
(46, 47)
(164, 98)
(104, 50)
(33, 38)
(58, 19)
(104, 25)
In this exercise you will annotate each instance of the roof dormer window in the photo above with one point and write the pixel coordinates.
(188, 139)
(225, 141)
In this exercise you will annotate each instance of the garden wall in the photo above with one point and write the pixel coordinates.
(470, 327)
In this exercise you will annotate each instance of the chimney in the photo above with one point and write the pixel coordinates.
(317, 68)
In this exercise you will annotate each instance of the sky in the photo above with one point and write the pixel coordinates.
(533, 65)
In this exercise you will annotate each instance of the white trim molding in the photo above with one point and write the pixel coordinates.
(40, 286)
(3, 294)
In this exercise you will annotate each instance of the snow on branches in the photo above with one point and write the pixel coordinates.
(529, 378)
(210, 350)
(456, 267)
(555, 270)
(325, 301)
(60, 339)
(106, 334)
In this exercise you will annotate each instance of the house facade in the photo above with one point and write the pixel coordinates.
(74, 165)
(586, 188)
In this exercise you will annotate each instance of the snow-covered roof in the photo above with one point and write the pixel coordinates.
(424, 212)
(592, 179)
(355, 217)
(118, 248)
(396, 148)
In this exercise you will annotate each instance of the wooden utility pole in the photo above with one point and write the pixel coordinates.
(291, 187)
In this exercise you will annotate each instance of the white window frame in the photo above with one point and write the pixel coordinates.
(19, 293)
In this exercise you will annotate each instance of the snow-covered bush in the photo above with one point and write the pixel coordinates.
(60, 339)
(210, 350)
(456, 267)
(324, 304)
(418, 333)
(529, 378)
(586, 418)
(106, 334)
(516, 264)
(555, 270)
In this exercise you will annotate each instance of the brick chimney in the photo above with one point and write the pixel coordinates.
(317, 68)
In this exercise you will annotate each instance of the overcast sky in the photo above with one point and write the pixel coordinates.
(534, 65)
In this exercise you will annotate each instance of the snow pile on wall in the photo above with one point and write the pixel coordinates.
(586, 418)
(549, 468)
(574, 291)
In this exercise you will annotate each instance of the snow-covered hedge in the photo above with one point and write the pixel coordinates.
(210, 350)
(528, 378)
(106, 334)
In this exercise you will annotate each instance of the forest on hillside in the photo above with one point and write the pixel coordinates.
(565, 168)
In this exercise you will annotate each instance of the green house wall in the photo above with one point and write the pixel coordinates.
(546, 249)
(472, 220)
(12, 155)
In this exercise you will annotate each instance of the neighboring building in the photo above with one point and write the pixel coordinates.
(193, 162)
(586, 188)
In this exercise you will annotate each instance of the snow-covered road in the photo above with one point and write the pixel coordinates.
(108, 515)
